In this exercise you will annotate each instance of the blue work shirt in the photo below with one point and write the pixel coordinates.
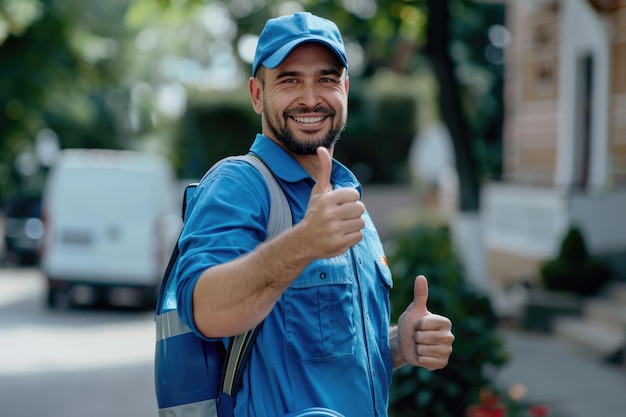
(326, 341)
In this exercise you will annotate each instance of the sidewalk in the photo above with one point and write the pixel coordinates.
(554, 372)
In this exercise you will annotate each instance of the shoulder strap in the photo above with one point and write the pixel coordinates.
(168, 275)
(280, 212)
(239, 349)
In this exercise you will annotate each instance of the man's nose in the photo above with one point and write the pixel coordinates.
(309, 95)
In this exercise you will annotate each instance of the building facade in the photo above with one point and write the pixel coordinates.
(564, 136)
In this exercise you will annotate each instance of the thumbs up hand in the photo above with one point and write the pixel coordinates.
(332, 222)
(325, 162)
(424, 339)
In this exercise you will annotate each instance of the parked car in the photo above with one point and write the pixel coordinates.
(111, 222)
(23, 229)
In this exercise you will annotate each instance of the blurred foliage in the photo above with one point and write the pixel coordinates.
(478, 349)
(123, 73)
(574, 270)
(378, 137)
(211, 129)
(480, 72)
(57, 74)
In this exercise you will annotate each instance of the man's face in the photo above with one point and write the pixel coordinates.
(304, 100)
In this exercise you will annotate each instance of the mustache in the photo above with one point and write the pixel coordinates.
(303, 110)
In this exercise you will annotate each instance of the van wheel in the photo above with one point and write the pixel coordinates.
(51, 298)
(57, 298)
(149, 297)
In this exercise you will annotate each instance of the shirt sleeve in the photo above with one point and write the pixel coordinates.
(226, 218)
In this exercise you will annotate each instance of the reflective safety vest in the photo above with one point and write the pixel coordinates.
(196, 377)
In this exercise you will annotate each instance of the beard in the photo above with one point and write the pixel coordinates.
(290, 142)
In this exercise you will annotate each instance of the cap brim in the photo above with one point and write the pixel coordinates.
(277, 57)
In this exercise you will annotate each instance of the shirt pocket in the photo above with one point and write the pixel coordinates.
(384, 273)
(319, 311)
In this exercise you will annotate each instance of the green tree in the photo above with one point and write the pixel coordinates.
(61, 66)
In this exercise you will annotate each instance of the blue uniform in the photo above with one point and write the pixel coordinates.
(326, 341)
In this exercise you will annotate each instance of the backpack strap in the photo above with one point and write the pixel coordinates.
(168, 275)
(280, 213)
(280, 219)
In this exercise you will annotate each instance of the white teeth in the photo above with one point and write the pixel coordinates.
(308, 119)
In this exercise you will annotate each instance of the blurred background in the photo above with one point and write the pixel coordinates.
(490, 137)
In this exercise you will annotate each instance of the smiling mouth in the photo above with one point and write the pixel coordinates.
(308, 120)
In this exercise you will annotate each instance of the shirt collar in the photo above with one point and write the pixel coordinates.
(286, 168)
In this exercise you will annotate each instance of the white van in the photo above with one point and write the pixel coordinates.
(110, 223)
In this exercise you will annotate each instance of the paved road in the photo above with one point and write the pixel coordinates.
(557, 373)
(76, 363)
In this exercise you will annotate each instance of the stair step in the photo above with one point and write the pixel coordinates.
(600, 339)
(606, 311)
(616, 291)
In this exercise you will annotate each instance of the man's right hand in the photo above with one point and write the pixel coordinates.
(332, 221)
(232, 297)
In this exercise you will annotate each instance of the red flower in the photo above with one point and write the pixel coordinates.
(488, 399)
(477, 411)
(490, 406)
(539, 410)
(498, 411)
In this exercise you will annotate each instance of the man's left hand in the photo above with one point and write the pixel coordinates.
(425, 339)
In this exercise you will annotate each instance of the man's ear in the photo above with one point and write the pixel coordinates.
(255, 88)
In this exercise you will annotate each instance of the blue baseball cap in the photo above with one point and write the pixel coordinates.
(282, 34)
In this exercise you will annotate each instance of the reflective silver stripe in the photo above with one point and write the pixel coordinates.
(169, 325)
(206, 408)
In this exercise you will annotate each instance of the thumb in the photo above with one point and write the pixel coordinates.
(325, 168)
(420, 295)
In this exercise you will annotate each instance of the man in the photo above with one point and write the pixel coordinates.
(322, 287)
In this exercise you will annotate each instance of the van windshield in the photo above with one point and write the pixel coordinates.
(109, 192)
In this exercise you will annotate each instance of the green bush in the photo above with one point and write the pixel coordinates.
(573, 270)
(477, 351)
(378, 136)
(212, 130)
